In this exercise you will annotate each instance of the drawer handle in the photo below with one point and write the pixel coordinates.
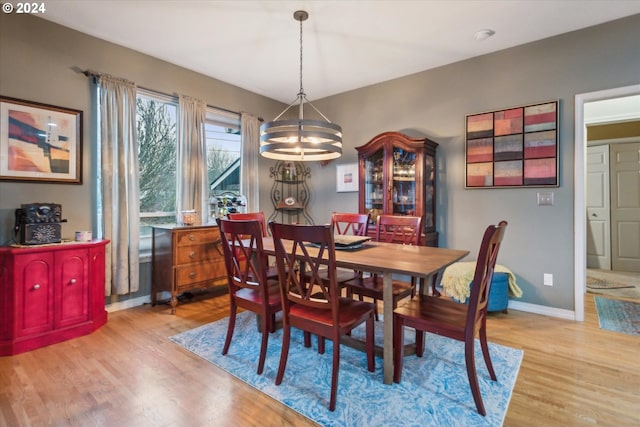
(192, 237)
(192, 254)
(36, 286)
(72, 281)
(192, 275)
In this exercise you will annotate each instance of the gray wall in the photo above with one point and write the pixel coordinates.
(36, 57)
(36, 60)
(434, 103)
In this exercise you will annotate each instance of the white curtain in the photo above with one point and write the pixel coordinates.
(193, 192)
(119, 183)
(249, 129)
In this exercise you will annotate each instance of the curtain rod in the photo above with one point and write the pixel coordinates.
(95, 75)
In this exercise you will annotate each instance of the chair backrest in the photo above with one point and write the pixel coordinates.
(483, 275)
(350, 223)
(402, 229)
(311, 246)
(245, 259)
(258, 216)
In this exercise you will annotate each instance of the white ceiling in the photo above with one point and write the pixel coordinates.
(347, 44)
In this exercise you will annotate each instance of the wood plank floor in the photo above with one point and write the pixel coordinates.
(129, 374)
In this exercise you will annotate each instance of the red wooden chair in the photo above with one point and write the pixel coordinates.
(454, 320)
(272, 272)
(251, 216)
(405, 230)
(312, 304)
(353, 224)
(249, 287)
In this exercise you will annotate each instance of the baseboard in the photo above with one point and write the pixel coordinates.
(541, 309)
(513, 305)
(129, 303)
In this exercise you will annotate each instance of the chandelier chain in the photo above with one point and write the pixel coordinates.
(301, 88)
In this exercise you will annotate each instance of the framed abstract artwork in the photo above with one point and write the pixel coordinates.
(514, 147)
(40, 142)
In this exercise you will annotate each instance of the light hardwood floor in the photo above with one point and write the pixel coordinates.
(129, 374)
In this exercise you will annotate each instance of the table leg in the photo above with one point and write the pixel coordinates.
(387, 304)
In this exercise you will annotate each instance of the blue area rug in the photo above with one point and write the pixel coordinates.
(618, 316)
(434, 389)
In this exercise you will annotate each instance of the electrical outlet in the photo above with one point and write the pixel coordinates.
(548, 279)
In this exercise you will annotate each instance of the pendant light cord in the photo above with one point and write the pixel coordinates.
(301, 88)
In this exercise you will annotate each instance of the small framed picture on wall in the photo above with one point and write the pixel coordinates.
(347, 177)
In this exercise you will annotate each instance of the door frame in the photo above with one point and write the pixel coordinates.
(579, 200)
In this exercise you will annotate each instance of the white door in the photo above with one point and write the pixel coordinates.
(625, 207)
(598, 220)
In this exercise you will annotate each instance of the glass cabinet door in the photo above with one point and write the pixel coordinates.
(403, 186)
(374, 188)
(430, 190)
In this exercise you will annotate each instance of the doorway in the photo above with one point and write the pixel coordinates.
(580, 205)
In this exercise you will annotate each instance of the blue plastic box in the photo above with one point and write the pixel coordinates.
(499, 293)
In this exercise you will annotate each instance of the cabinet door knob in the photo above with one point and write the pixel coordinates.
(192, 254)
(36, 286)
(192, 237)
(72, 281)
(192, 275)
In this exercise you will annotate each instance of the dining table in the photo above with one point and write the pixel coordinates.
(388, 259)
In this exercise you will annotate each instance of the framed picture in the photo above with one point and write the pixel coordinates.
(347, 177)
(515, 147)
(40, 142)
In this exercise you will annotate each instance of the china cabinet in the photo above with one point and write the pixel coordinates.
(50, 293)
(397, 177)
(290, 193)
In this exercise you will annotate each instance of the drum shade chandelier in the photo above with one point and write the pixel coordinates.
(300, 139)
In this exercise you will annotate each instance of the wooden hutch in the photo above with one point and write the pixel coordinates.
(397, 177)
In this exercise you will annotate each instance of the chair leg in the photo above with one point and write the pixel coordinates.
(232, 324)
(334, 373)
(485, 353)
(370, 344)
(284, 353)
(272, 327)
(266, 325)
(307, 339)
(473, 377)
(419, 343)
(321, 346)
(398, 350)
(434, 281)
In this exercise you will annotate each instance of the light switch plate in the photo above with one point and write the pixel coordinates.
(545, 199)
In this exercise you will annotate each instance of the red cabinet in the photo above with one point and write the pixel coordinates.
(50, 293)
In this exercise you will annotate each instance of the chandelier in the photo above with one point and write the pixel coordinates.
(300, 139)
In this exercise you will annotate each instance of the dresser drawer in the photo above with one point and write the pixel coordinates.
(197, 236)
(190, 274)
(195, 253)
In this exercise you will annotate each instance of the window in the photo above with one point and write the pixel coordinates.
(224, 150)
(158, 146)
(157, 153)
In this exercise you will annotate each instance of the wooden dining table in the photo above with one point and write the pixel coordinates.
(387, 259)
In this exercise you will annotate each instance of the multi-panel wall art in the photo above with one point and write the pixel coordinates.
(515, 147)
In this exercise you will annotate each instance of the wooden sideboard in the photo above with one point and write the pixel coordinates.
(186, 258)
(50, 293)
